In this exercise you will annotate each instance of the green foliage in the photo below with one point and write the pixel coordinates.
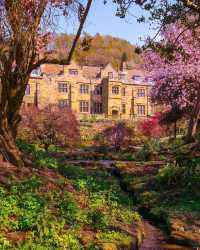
(42, 159)
(4, 243)
(145, 154)
(54, 219)
(50, 234)
(99, 219)
(31, 183)
(149, 198)
(30, 208)
(128, 157)
(148, 150)
(160, 214)
(171, 175)
(71, 211)
(107, 203)
(175, 143)
(20, 208)
(113, 236)
(25, 147)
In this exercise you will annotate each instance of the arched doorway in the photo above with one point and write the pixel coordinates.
(115, 113)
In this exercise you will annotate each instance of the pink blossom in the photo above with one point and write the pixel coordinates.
(177, 79)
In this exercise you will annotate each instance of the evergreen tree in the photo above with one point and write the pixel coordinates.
(124, 59)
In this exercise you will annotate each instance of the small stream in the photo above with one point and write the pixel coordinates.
(154, 237)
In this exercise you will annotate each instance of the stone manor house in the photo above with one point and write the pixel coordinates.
(92, 91)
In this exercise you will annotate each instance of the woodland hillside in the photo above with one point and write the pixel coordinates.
(96, 50)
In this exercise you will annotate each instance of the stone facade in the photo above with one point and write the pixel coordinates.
(92, 91)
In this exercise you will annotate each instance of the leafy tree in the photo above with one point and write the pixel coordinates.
(24, 38)
(163, 12)
(50, 126)
(118, 136)
(124, 59)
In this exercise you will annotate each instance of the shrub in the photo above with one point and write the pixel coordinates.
(114, 237)
(100, 220)
(50, 126)
(118, 135)
(30, 208)
(71, 211)
(150, 127)
(160, 214)
(171, 175)
(145, 154)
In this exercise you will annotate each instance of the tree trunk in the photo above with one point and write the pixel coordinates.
(8, 146)
(175, 130)
(192, 127)
(11, 96)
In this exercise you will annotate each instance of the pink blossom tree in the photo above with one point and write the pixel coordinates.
(176, 72)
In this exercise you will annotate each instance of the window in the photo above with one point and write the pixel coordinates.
(123, 91)
(149, 80)
(141, 109)
(98, 107)
(115, 90)
(110, 75)
(30, 104)
(73, 72)
(63, 87)
(123, 108)
(84, 89)
(63, 103)
(137, 78)
(122, 76)
(84, 106)
(98, 90)
(141, 93)
(28, 90)
(36, 72)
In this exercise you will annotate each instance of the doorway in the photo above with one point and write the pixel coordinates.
(115, 114)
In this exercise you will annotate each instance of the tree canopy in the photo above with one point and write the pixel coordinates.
(176, 74)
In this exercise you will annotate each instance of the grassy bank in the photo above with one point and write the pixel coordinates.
(52, 205)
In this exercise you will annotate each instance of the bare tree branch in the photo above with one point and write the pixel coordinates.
(78, 34)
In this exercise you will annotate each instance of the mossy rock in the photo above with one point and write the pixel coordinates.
(148, 197)
(108, 246)
(87, 237)
(117, 240)
(184, 233)
(137, 188)
(185, 238)
(118, 246)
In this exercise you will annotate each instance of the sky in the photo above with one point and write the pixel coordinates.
(102, 20)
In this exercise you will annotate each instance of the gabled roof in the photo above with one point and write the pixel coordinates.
(52, 69)
(91, 72)
(109, 67)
